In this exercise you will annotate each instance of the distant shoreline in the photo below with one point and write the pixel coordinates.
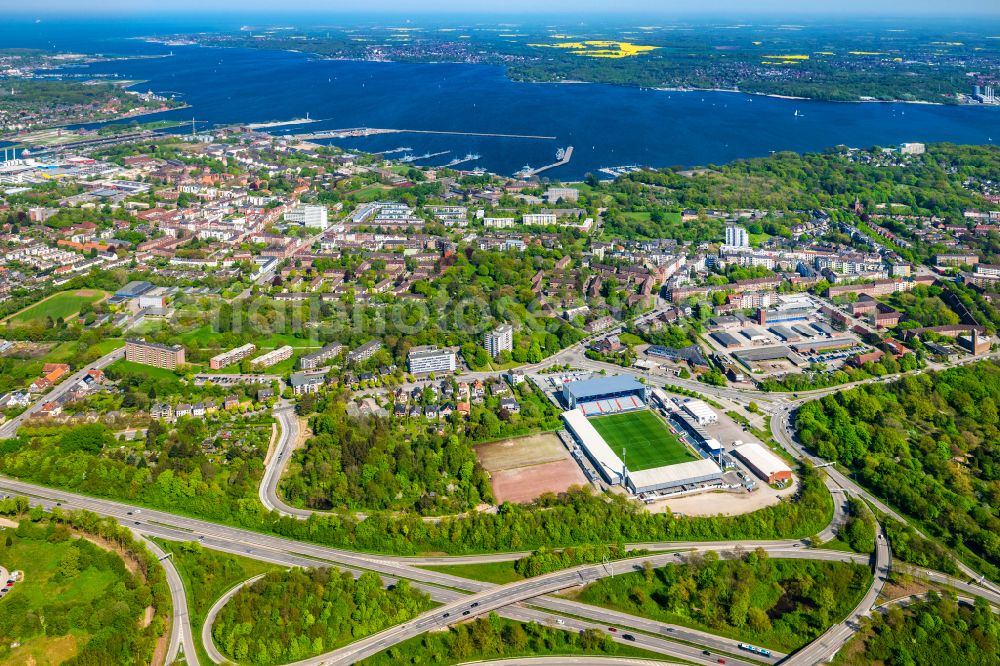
(678, 89)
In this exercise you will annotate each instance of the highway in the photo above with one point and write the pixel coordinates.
(666, 646)
(181, 638)
(827, 645)
(301, 554)
(467, 599)
(781, 430)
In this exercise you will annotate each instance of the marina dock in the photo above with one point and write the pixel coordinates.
(567, 156)
(373, 131)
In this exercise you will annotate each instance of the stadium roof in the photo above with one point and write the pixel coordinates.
(592, 440)
(676, 475)
(588, 389)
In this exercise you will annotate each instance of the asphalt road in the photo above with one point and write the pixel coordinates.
(213, 612)
(828, 644)
(493, 598)
(9, 429)
(783, 432)
(181, 638)
(288, 426)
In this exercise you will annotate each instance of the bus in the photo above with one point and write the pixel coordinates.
(764, 652)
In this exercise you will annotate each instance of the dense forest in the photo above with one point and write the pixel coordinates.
(403, 463)
(929, 444)
(938, 632)
(377, 463)
(73, 586)
(209, 575)
(171, 469)
(578, 517)
(290, 615)
(543, 560)
(781, 604)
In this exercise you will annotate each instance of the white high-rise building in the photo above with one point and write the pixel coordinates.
(737, 236)
(313, 217)
(431, 359)
(499, 339)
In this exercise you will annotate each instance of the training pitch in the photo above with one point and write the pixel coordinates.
(646, 440)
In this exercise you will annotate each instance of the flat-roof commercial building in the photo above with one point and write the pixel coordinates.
(232, 356)
(303, 383)
(272, 357)
(763, 463)
(823, 346)
(786, 334)
(431, 359)
(154, 354)
(499, 339)
(673, 476)
(700, 411)
(315, 359)
(727, 340)
(603, 389)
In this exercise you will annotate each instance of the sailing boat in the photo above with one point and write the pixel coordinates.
(797, 114)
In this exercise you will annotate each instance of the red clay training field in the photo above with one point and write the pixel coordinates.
(523, 469)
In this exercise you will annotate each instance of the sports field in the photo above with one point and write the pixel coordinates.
(62, 304)
(646, 440)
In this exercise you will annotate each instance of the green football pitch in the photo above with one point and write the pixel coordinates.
(646, 440)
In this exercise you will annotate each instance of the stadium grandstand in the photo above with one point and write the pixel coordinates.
(631, 445)
(605, 395)
(608, 464)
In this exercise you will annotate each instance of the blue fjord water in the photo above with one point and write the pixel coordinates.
(607, 125)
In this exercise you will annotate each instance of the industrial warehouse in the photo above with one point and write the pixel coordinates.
(628, 443)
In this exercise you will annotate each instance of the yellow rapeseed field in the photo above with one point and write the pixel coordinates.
(600, 48)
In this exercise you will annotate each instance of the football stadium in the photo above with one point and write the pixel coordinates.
(628, 443)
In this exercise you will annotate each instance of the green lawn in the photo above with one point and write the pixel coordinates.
(500, 573)
(63, 305)
(646, 440)
(205, 338)
(639, 216)
(122, 365)
(43, 589)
